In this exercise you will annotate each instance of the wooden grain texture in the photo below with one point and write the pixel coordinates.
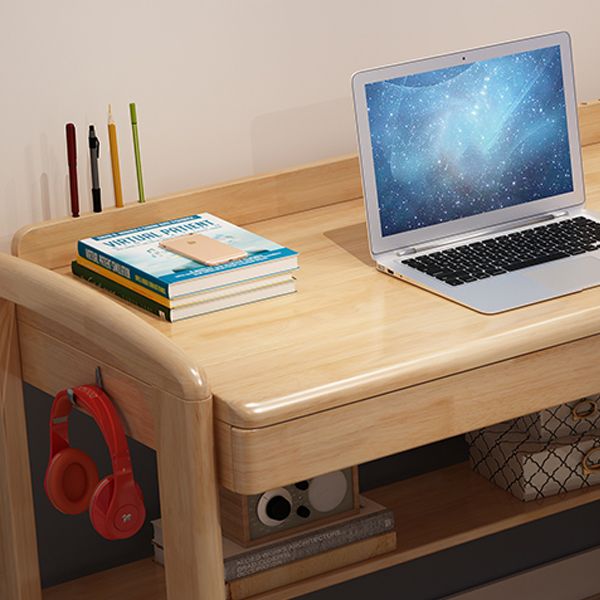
(53, 244)
(434, 512)
(19, 572)
(235, 521)
(412, 417)
(351, 332)
(141, 580)
(455, 505)
(189, 500)
(589, 122)
(52, 365)
(224, 457)
(77, 308)
(278, 577)
(3, 565)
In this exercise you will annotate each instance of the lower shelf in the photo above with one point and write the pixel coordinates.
(141, 580)
(434, 512)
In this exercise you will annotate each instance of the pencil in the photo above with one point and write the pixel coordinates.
(136, 150)
(114, 159)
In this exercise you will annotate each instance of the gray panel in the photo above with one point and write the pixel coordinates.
(300, 498)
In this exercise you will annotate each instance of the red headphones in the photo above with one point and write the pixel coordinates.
(116, 504)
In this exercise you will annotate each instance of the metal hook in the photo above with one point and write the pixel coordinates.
(99, 381)
(72, 398)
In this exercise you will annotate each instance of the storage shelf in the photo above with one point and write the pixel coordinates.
(433, 512)
(141, 580)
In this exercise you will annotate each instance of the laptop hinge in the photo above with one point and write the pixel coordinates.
(481, 232)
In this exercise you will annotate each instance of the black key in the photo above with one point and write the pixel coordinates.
(453, 282)
(530, 262)
(418, 267)
(434, 272)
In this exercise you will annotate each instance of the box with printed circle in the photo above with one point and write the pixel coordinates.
(295, 507)
(570, 419)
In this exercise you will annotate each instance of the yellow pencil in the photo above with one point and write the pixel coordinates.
(114, 159)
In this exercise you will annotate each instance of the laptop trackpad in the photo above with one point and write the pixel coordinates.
(571, 275)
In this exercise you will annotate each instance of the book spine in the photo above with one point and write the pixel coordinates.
(123, 269)
(121, 292)
(122, 281)
(308, 545)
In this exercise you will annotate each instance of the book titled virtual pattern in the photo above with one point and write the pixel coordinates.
(136, 255)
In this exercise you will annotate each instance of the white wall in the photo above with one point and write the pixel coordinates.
(224, 89)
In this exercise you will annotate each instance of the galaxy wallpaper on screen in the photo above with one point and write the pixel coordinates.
(464, 140)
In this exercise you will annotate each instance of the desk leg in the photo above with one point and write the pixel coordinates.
(189, 500)
(19, 569)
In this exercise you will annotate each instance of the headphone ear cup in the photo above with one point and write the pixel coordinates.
(99, 505)
(70, 481)
(125, 521)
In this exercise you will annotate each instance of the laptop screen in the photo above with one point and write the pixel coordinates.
(469, 139)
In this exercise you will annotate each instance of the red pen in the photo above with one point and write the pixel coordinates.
(72, 160)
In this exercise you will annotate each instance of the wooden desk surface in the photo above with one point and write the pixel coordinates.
(351, 332)
(286, 374)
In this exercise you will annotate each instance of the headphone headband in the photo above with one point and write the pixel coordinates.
(97, 404)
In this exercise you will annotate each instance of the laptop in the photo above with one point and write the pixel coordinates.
(472, 174)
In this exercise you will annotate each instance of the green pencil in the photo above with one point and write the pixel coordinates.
(136, 150)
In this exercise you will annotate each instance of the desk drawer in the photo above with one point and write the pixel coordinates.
(254, 460)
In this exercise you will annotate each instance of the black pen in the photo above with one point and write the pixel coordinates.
(94, 156)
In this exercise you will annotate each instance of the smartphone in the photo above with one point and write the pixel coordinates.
(203, 249)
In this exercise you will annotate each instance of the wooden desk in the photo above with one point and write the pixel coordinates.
(353, 367)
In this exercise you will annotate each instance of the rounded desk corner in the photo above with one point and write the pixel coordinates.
(16, 242)
(148, 354)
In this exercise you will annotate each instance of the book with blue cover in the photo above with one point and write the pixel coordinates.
(136, 255)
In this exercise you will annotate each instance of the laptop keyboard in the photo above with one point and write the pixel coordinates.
(511, 252)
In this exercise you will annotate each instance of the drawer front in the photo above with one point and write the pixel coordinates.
(254, 460)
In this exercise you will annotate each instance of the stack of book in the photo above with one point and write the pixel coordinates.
(264, 567)
(133, 265)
